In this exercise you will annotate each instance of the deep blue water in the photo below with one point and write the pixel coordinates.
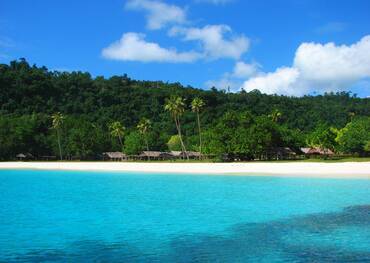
(57, 216)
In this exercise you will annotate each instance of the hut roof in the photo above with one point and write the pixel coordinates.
(305, 150)
(176, 153)
(194, 154)
(282, 151)
(180, 153)
(24, 155)
(317, 150)
(114, 155)
(324, 151)
(151, 154)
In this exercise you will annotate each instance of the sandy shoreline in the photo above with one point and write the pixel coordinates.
(302, 169)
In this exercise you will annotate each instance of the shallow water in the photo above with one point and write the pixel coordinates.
(48, 216)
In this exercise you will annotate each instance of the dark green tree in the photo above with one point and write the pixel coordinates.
(144, 126)
(196, 106)
(57, 122)
(117, 130)
(133, 143)
(176, 107)
(354, 137)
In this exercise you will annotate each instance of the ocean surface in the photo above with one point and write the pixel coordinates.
(58, 216)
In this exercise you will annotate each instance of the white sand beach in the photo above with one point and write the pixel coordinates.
(295, 169)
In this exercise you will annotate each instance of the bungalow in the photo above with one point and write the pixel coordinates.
(316, 151)
(114, 156)
(191, 155)
(194, 155)
(177, 154)
(23, 157)
(154, 155)
(281, 153)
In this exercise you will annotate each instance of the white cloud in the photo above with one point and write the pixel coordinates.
(213, 41)
(318, 68)
(133, 47)
(281, 81)
(233, 80)
(331, 63)
(159, 14)
(245, 70)
(224, 83)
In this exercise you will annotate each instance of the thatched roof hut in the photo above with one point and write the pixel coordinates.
(305, 150)
(180, 154)
(176, 153)
(316, 151)
(151, 154)
(22, 156)
(281, 153)
(114, 156)
(194, 154)
(155, 155)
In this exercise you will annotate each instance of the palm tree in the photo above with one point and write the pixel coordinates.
(117, 130)
(176, 106)
(57, 122)
(143, 126)
(196, 105)
(275, 115)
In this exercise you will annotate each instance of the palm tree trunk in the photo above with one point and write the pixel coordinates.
(120, 141)
(59, 145)
(200, 136)
(178, 126)
(147, 145)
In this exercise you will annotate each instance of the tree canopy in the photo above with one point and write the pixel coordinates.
(242, 123)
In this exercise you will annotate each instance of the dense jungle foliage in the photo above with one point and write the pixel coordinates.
(243, 124)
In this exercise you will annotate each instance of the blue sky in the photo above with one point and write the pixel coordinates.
(290, 47)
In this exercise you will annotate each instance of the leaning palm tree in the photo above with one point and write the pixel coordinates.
(57, 122)
(117, 130)
(196, 105)
(176, 106)
(144, 126)
(275, 115)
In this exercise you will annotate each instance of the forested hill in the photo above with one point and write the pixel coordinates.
(27, 90)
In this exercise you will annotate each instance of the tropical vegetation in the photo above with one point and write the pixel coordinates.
(74, 115)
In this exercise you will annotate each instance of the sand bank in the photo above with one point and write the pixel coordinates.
(345, 170)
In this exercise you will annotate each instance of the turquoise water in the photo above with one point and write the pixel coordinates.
(57, 216)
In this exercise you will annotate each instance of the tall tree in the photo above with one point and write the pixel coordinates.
(117, 130)
(323, 137)
(354, 137)
(143, 127)
(196, 105)
(176, 107)
(134, 143)
(57, 122)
